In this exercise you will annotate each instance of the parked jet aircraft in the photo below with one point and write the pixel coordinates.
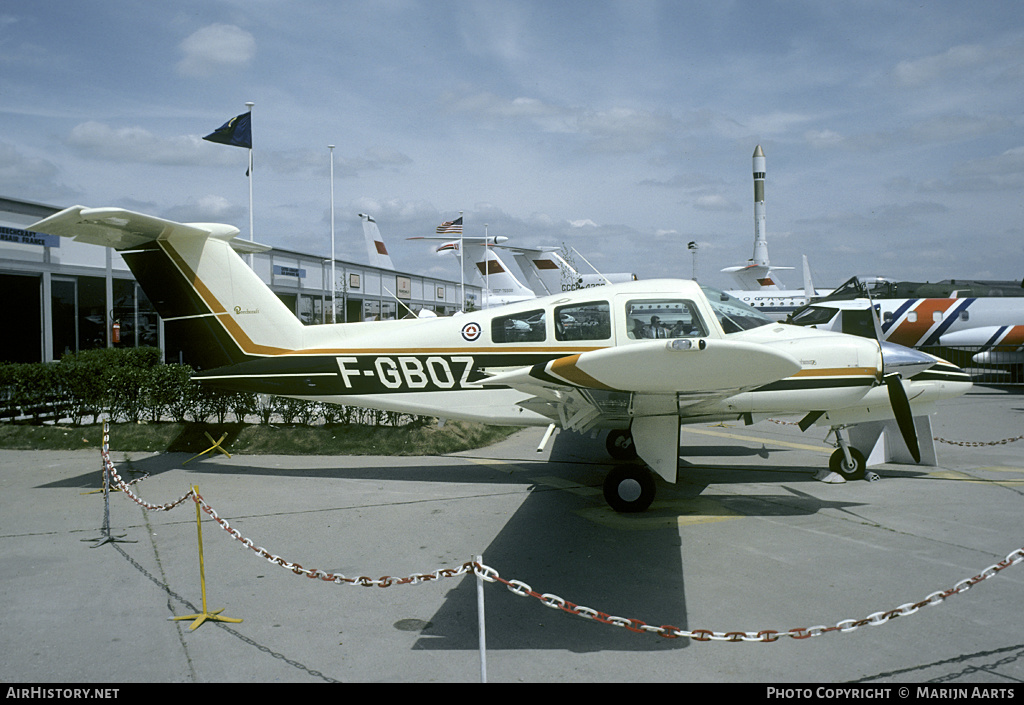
(547, 272)
(993, 324)
(637, 358)
(759, 285)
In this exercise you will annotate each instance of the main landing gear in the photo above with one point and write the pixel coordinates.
(627, 488)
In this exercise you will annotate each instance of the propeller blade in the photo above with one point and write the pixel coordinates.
(904, 416)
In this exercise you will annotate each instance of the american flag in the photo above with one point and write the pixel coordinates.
(451, 226)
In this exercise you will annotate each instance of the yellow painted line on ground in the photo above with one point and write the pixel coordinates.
(958, 476)
(757, 439)
(497, 464)
(567, 485)
(671, 514)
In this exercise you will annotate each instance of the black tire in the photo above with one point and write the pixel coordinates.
(619, 444)
(629, 488)
(837, 463)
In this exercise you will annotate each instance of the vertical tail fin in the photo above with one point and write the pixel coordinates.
(375, 248)
(483, 263)
(210, 300)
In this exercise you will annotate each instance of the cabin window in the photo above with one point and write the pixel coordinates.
(936, 316)
(965, 315)
(912, 317)
(663, 318)
(589, 321)
(525, 327)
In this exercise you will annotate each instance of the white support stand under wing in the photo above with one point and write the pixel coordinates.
(881, 442)
(657, 443)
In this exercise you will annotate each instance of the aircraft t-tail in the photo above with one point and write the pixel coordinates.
(637, 358)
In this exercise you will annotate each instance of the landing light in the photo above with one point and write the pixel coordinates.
(687, 344)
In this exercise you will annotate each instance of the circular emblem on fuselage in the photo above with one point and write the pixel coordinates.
(471, 331)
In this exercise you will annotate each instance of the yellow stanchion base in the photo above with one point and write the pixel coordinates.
(205, 615)
(215, 446)
(100, 491)
(200, 618)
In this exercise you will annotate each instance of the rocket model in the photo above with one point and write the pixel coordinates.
(758, 274)
(760, 241)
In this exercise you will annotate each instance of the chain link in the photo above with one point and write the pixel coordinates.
(518, 587)
(964, 444)
(978, 444)
(765, 636)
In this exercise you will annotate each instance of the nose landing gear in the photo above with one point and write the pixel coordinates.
(846, 460)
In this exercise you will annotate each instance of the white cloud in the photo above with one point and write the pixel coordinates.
(138, 145)
(931, 68)
(26, 175)
(216, 48)
(715, 202)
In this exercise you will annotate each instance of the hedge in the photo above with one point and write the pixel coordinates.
(133, 385)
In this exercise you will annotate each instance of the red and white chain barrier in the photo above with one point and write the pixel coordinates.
(520, 588)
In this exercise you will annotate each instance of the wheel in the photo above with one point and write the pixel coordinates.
(837, 463)
(629, 488)
(620, 444)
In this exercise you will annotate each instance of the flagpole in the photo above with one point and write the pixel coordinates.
(487, 269)
(462, 263)
(334, 286)
(249, 106)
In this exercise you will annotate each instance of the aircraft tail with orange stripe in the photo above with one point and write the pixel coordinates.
(212, 303)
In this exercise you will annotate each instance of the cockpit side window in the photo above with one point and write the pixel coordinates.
(734, 315)
(663, 318)
(525, 327)
(587, 321)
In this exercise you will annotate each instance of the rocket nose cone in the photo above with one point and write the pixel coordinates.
(758, 152)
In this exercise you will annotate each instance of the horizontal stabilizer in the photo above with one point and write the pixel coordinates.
(125, 230)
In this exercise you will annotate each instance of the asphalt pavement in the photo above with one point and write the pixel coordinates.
(748, 541)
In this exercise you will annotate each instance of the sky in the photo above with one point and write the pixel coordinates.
(893, 131)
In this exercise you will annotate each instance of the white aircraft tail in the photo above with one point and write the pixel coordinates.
(208, 297)
(546, 271)
(808, 283)
(482, 263)
(756, 277)
(375, 249)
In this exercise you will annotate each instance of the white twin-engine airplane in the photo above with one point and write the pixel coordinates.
(637, 358)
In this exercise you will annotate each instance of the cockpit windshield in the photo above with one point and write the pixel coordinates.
(733, 314)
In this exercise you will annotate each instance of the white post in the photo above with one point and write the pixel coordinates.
(480, 622)
(462, 264)
(334, 285)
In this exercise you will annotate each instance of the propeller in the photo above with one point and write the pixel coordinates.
(898, 362)
(901, 410)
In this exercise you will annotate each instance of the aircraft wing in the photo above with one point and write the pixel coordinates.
(657, 375)
(123, 229)
(680, 365)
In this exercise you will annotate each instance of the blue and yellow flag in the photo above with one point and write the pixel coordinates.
(236, 132)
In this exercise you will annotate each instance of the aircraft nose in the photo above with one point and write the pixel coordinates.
(905, 361)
